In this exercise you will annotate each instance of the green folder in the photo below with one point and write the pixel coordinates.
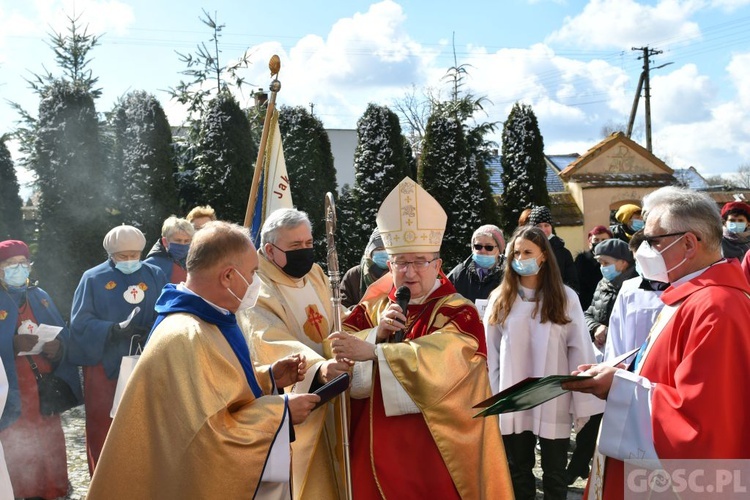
(526, 394)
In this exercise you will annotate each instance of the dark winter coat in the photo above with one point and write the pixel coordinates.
(565, 263)
(159, 256)
(622, 232)
(589, 274)
(735, 245)
(353, 286)
(468, 283)
(600, 310)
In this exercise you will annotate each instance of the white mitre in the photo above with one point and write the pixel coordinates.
(410, 220)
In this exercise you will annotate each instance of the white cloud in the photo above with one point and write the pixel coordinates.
(682, 96)
(620, 24)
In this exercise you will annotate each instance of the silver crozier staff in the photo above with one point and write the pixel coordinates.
(335, 278)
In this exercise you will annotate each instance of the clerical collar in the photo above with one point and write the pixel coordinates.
(181, 287)
(420, 300)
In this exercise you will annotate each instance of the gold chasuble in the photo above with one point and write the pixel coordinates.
(188, 426)
(436, 450)
(290, 317)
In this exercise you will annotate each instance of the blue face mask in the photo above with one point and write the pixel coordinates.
(380, 258)
(525, 267)
(637, 224)
(178, 251)
(736, 227)
(128, 266)
(609, 272)
(16, 275)
(484, 261)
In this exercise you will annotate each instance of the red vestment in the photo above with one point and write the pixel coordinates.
(698, 362)
(34, 444)
(441, 452)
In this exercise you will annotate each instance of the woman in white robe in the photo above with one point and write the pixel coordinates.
(535, 327)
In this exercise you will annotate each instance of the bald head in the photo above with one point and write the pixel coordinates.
(221, 263)
(219, 243)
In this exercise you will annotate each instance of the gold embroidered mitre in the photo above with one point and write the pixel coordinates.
(410, 220)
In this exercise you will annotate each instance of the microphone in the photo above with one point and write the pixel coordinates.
(403, 296)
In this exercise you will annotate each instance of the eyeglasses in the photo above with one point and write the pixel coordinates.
(654, 240)
(16, 267)
(419, 265)
(489, 248)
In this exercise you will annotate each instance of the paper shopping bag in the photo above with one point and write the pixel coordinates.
(126, 369)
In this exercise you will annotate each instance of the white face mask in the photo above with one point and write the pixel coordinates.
(652, 263)
(251, 294)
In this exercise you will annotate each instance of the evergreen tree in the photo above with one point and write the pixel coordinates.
(445, 171)
(62, 146)
(208, 81)
(349, 247)
(11, 218)
(411, 160)
(224, 166)
(69, 168)
(146, 192)
(309, 161)
(524, 169)
(379, 165)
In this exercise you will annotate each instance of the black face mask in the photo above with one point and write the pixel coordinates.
(298, 262)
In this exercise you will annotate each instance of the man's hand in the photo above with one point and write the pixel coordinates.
(289, 370)
(600, 336)
(300, 406)
(347, 347)
(599, 385)
(24, 342)
(391, 320)
(332, 368)
(52, 350)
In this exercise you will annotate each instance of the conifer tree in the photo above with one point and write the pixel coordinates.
(11, 218)
(445, 171)
(349, 247)
(145, 189)
(524, 169)
(62, 146)
(379, 165)
(224, 165)
(309, 162)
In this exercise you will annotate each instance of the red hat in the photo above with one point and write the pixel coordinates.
(13, 248)
(600, 230)
(735, 207)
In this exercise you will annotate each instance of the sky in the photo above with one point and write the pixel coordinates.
(571, 60)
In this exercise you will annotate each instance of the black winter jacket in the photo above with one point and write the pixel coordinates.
(589, 275)
(565, 263)
(605, 294)
(468, 283)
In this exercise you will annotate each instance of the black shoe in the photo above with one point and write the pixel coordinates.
(571, 476)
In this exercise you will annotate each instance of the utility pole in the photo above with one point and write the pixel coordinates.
(644, 81)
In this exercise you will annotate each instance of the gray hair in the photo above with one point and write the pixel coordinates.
(283, 218)
(174, 224)
(680, 209)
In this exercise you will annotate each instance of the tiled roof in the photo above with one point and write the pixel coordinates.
(555, 163)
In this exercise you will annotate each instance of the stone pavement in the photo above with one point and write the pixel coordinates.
(78, 471)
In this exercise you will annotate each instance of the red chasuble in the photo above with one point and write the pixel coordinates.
(402, 456)
(699, 363)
